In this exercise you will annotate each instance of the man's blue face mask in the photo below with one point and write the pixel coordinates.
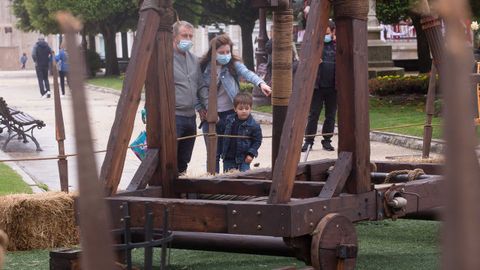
(184, 45)
(224, 59)
(327, 39)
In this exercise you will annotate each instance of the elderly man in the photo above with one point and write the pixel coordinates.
(191, 93)
(41, 55)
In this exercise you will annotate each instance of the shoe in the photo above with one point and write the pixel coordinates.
(44, 95)
(48, 94)
(306, 145)
(328, 146)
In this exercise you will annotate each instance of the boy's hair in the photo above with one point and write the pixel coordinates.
(243, 98)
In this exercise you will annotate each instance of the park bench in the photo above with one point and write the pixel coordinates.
(18, 124)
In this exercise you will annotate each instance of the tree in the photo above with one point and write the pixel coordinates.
(34, 16)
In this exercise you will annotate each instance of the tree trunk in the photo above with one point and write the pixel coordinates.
(423, 50)
(111, 61)
(247, 45)
(91, 42)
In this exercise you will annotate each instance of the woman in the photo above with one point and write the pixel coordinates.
(62, 64)
(229, 69)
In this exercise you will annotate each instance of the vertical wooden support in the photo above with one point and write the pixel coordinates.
(212, 114)
(59, 130)
(299, 105)
(429, 111)
(281, 74)
(461, 237)
(477, 121)
(160, 104)
(94, 219)
(121, 132)
(352, 90)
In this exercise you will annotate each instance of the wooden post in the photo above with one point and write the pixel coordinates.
(429, 111)
(130, 98)
(160, 104)
(294, 128)
(212, 114)
(94, 219)
(281, 74)
(477, 121)
(352, 90)
(59, 130)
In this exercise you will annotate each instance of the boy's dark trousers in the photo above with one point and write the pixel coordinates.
(229, 165)
(42, 76)
(62, 75)
(327, 96)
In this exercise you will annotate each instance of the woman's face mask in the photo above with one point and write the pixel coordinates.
(328, 38)
(224, 59)
(184, 45)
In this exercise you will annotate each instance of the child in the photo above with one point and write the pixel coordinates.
(23, 60)
(238, 153)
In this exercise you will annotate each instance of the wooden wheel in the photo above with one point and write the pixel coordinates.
(334, 243)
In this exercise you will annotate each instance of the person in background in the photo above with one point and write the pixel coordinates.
(23, 60)
(324, 94)
(41, 55)
(238, 153)
(190, 91)
(229, 69)
(62, 63)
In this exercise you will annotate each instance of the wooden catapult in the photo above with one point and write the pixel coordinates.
(309, 208)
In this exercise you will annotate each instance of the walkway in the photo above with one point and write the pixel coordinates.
(20, 90)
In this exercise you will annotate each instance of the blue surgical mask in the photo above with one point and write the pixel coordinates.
(328, 38)
(224, 59)
(184, 45)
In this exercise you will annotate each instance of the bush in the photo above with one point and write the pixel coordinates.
(246, 87)
(94, 62)
(398, 85)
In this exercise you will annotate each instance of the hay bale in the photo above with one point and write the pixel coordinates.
(3, 246)
(38, 221)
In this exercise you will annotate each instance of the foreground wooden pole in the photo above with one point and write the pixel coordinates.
(352, 90)
(121, 132)
(212, 114)
(160, 104)
(59, 131)
(96, 239)
(299, 105)
(429, 111)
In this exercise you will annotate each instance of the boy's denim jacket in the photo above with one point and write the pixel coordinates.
(245, 146)
(229, 81)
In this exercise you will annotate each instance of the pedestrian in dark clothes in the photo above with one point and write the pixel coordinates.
(41, 55)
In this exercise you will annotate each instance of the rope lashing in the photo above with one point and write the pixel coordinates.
(357, 9)
(411, 174)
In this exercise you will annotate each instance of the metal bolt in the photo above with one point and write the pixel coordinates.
(402, 190)
(310, 210)
(234, 212)
(259, 213)
(121, 206)
(337, 225)
(121, 220)
(324, 207)
(259, 227)
(234, 226)
(311, 224)
(380, 194)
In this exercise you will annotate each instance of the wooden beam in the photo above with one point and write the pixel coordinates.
(429, 111)
(160, 104)
(293, 130)
(145, 171)
(352, 95)
(244, 187)
(94, 221)
(336, 180)
(212, 114)
(151, 191)
(121, 132)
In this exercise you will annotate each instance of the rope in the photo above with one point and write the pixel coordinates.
(3, 246)
(411, 174)
(357, 9)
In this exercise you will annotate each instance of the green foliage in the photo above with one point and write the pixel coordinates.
(112, 82)
(246, 87)
(94, 62)
(23, 18)
(398, 85)
(392, 11)
(11, 182)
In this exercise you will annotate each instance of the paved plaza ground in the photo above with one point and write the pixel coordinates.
(20, 90)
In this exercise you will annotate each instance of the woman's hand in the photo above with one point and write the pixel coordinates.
(266, 90)
(248, 159)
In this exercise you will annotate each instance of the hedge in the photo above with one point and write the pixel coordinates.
(398, 85)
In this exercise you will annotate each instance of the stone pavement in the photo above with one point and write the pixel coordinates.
(20, 90)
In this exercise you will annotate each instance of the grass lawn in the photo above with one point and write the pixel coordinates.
(11, 182)
(402, 244)
(113, 82)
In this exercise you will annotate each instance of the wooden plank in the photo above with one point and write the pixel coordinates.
(94, 221)
(246, 187)
(212, 114)
(336, 180)
(59, 130)
(295, 122)
(121, 132)
(151, 191)
(145, 171)
(352, 92)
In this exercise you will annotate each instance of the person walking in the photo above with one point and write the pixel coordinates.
(23, 60)
(191, 93)
(62, 63)
(324, 94)
(229, 69)
(41, 55)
